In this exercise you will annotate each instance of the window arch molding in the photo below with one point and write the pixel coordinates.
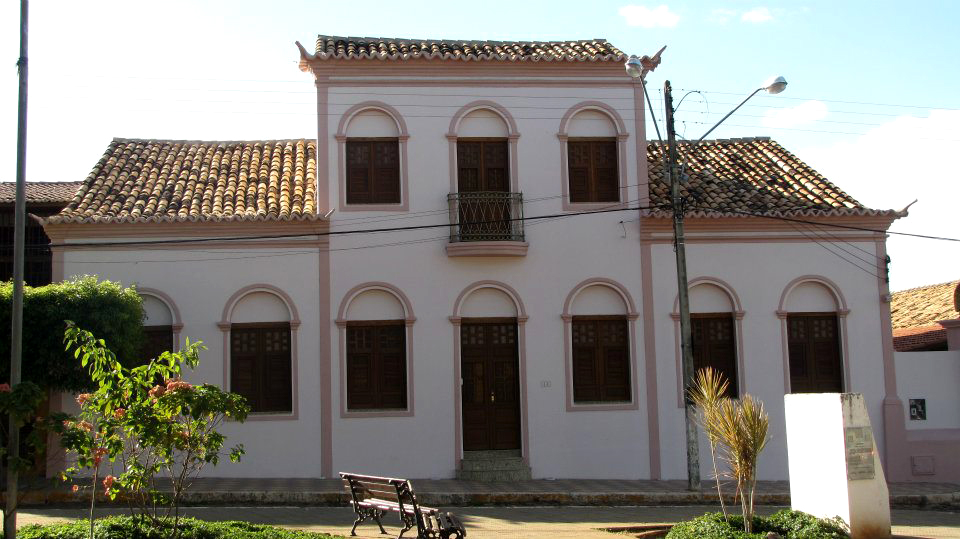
(631, 314)
(622, 136)
(341, 137)
(225, 324)
(738, 314)
(162, 297)
(341, 322)
(513, 136)
(842, 311)
(455, 321)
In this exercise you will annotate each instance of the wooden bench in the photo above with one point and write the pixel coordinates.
(372, 497)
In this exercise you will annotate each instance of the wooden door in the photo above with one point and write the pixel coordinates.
(816, 365)
(490, 393)
(482, 173)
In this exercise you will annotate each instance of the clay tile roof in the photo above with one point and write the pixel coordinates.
(924, 306)
(749, 175)
(382, 48)
(40, 192)
(175, 181)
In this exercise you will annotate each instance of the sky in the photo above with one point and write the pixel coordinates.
(871, 101)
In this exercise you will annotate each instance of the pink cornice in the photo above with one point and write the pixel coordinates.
(227, 315)
(719, 283)
(593, 105)
(375, 285)
(831, 286)
(375, 105)
(503, 287)
(601, 281)
(483, 104)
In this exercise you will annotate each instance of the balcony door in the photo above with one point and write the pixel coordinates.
(483, 185)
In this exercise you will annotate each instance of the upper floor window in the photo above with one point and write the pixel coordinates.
(593, 170)
(373, 171)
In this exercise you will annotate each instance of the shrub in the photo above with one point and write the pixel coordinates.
(126, 527)
(114, 313)
(787, 523)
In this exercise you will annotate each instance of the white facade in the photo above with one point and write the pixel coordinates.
(613, 263)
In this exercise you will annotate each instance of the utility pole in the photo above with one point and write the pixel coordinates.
(16, 335)
(686, 346)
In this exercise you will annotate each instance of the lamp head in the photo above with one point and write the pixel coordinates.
(634, 67)
(775, 85)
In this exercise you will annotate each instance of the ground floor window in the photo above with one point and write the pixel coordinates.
(156, 340)
(260, 366)
(714, 345)
(816, 365)
(601, 359)
(376, 365)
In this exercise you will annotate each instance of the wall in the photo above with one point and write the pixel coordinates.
(933, 376)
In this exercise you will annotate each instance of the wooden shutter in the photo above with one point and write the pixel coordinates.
(592, 170)
(601, 359)
(157, 340)
(714, 345)
(261, 366)
(376, 365)
(482, 165)
(816, 365)
(373, 171)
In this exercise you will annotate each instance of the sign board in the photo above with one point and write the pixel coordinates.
(858, 442)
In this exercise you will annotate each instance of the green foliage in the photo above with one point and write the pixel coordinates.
(111, 311)
(21, 402)
(126, 527)
(151, 431)
(787, 523)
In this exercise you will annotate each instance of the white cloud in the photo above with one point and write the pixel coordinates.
(649, 17)
(888, 168)
(757, 15)
(722, 15)
(803, 114)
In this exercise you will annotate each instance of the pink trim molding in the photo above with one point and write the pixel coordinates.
(622, 136)
(841, 312)
(455, 321)
(177, 325)
(738, 314)
(639, 127)
(650, 360)
(226, 323)
(341, 322)
(513, 137)
(341, 137)
(325, 330)
(567, 316)
(487, 248)
(323, 144)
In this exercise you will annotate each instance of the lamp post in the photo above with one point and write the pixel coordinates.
(636, 69)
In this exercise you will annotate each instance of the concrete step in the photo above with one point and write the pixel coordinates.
(494, 475)
(493, 466)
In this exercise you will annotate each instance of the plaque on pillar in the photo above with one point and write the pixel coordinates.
(834, 466)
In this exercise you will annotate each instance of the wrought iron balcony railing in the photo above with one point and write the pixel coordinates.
(486, 216)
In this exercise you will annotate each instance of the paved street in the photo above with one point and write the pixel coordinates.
(507, 522)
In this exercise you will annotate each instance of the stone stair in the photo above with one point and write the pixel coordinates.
(505, 465)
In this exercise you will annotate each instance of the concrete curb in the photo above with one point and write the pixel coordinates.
(464, 499)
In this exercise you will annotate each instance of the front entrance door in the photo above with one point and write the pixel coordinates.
(491, 384)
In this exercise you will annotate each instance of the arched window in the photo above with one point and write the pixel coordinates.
(161, 324)
(372, 139)
(375, 324)
(714, 333)
(814, 315)
(598, 317)
(593, 138)
(260, 325)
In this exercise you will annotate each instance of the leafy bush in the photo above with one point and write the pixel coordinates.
(787, 523)
(112, 312)
(125, 527)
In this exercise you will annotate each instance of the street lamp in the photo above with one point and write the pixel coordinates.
(637, 69)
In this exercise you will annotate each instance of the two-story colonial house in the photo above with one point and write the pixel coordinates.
(473, 261)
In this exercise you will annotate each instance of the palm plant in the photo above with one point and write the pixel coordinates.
(706, 393)
(737, 430)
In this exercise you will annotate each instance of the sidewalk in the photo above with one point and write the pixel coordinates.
(538, 492)
(505, 522)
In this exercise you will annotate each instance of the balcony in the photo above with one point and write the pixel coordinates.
(486, 223)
